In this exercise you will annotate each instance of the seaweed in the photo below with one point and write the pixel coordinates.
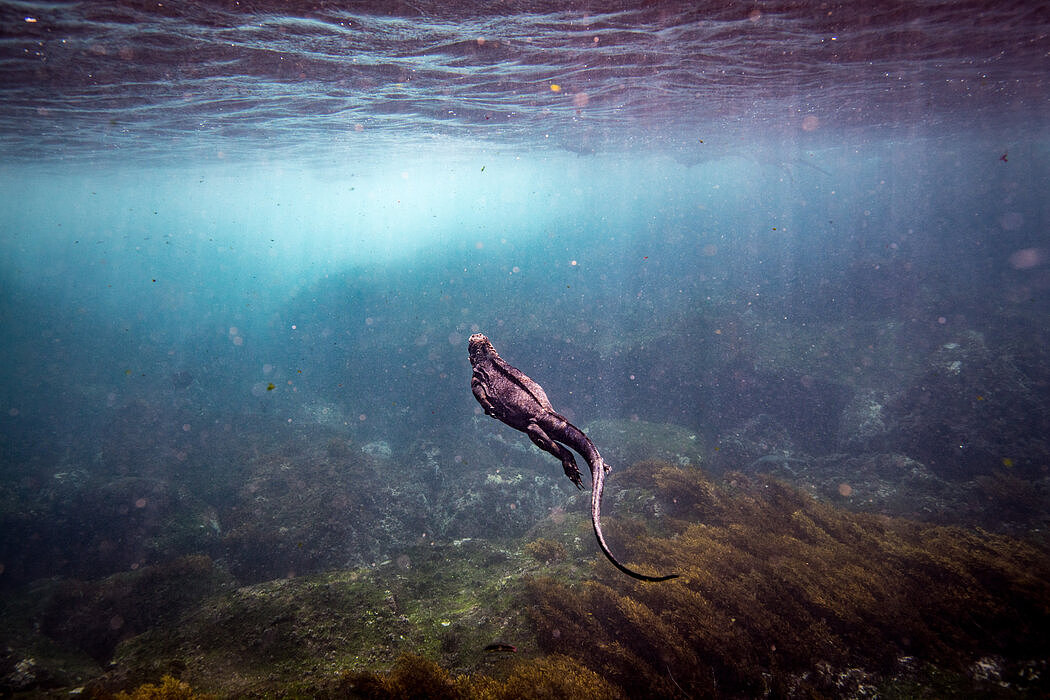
(94, 616)
(546, 550)
(780, 595)
(169, 689)
(416, 677)
(775, 584)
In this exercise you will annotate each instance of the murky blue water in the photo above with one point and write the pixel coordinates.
(220, 221)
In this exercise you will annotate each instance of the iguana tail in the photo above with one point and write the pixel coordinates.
(597, 487)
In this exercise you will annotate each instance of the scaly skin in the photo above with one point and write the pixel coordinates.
(508, 395)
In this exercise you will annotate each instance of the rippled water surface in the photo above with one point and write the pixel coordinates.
(143, 78)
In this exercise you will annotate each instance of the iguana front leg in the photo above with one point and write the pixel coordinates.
(482, 396)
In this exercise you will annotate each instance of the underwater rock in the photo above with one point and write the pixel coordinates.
(90, 529)
(138, 520)
(758, 438)
(169, 688)
(428, 463)
(182, 379)
(625, 442)
(306, 508)
(34, 666)
(780, 595)
(323, 503)
(447, 604)
(1006, 502)
(498, 484)
(863, 424)
(894, 484)
(379, 449)
(505, 503)
(25, 675)
(94, 616)
(973, 411)
(324, 413)
(886, 483)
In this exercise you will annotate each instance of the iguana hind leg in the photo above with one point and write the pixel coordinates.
(545, 443)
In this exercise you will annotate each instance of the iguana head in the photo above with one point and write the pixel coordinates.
(479, 348)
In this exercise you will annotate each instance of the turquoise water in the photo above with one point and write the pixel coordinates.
(128, 274)
(237, 243)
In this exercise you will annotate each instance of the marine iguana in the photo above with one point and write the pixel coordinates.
(508, 395)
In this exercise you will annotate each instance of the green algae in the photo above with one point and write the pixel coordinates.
(445, 602)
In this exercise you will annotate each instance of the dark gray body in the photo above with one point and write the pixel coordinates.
(507, 394)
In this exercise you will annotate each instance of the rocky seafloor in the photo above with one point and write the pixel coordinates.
(780, 594)
(900, 551)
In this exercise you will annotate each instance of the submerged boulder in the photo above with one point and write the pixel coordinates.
(973, 410)
(864, 425)
(624, 442)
